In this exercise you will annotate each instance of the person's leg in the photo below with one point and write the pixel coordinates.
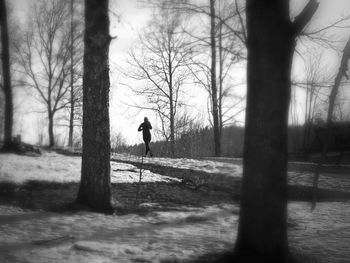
(150, 151)
(147, 146)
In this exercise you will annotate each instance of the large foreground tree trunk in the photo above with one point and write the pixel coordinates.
(94, 188)
(262, 233)
(5, 57)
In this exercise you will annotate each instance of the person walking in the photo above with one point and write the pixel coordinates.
(145, 127)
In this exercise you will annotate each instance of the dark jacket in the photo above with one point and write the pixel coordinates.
(145, 127)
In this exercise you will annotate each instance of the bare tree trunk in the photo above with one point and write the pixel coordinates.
(172, 128)
(221, 80)
(262, 232)
(71, 121)
(214, 91)
(71, 115)
(50, 129)
(94, 188)
(341, 73)
(171, 98)
(306, 122)
(332, 98)
(5, 56)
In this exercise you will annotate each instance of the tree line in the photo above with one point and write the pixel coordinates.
(195, 142)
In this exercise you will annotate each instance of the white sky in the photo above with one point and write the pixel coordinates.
(133, 17)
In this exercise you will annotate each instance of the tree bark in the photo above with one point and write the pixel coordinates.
(171, 101)
(50, 129)
(71, 115)
(221, 67)
(5, 56)
(172, 128)
(94, 188)
(262, 232)
(71, 121)
(214, 92)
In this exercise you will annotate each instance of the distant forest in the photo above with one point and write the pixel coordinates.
(199, 143)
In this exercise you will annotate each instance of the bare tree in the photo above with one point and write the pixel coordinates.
(76, 60)
(161, 66)
(343, 68)
(225, 20)
(117, 140)
(231, 17)
(316, 81)
(231, 51)
(72, 102)
(13, 39)
(231, 26)
(214, 93)
(44, 56)
(183, 123)
(6, 74)
(230, 104)
(329, 130)
(262, 230)
(94, 190)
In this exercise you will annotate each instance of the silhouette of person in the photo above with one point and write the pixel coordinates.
(145, 127)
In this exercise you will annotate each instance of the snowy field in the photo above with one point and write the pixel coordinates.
(59, 168)
(208, 166)
(88, 237)
(172, 236)
(334, 181)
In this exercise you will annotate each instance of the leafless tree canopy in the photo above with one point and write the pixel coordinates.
(44, 55)
(160, 66)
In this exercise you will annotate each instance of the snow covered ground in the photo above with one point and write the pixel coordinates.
(334, 181)
(88, 237)
(172, 236)
(55, 167)
(208, 166)
(323, 233)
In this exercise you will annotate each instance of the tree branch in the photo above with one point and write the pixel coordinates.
(304, 17)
